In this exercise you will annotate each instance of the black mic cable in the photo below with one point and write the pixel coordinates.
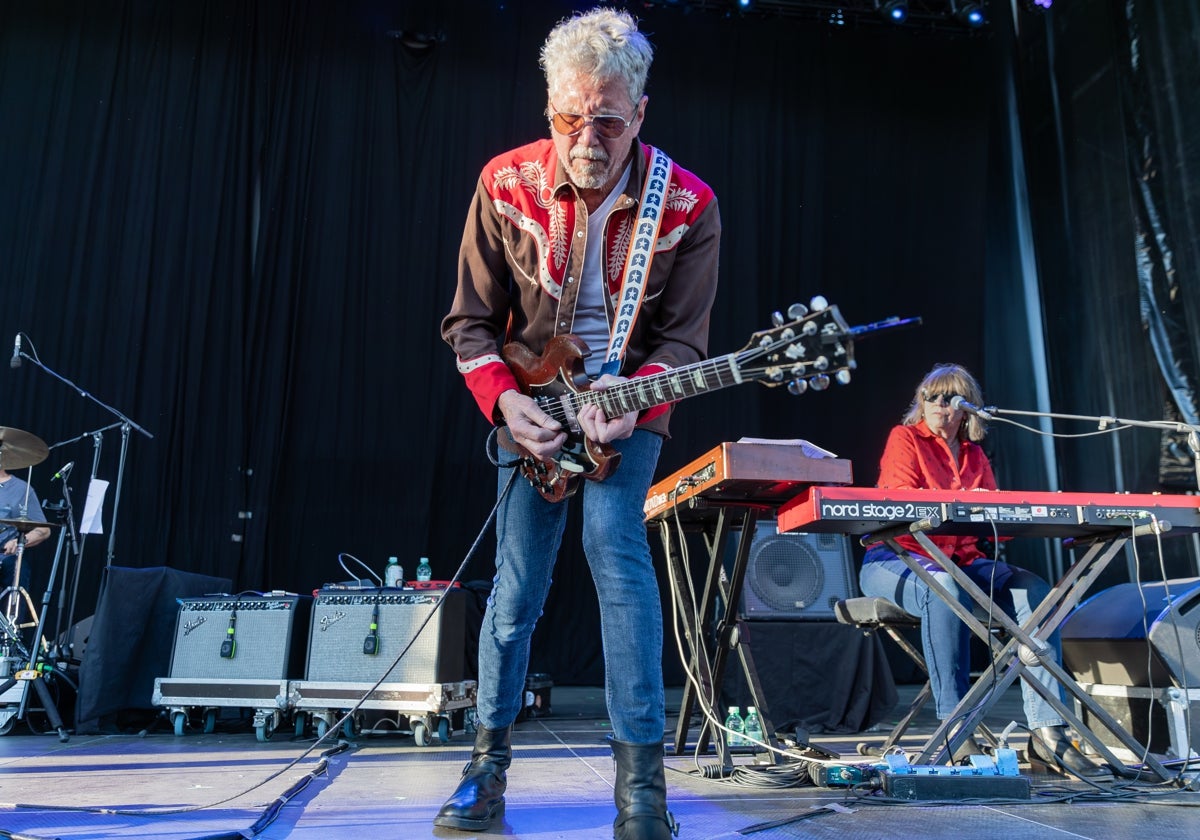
(371, 642)
(229, 643)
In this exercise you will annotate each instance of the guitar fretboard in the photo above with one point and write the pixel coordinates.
(646, 392)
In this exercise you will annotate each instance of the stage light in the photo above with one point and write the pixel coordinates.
(1037, 5)
(968, 12)
(894, 10)
(743, 5)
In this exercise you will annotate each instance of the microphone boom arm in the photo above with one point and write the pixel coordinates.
(1105, 422)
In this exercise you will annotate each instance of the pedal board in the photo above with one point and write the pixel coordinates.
(984, 779)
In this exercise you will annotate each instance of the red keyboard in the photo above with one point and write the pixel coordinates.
(864, 510)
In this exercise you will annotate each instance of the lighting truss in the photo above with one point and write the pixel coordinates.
(923, 15)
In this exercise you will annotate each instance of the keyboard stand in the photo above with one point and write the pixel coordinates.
(1024, 646)
(706, 669)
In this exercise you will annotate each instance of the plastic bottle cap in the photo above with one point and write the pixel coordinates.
(393, 559)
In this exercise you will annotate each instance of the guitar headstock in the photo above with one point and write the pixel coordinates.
(810, 347)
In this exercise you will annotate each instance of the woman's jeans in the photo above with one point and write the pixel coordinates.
(528, 533)
(945, 639)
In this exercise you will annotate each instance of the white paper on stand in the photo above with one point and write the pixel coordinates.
(93, 508)
(807, 447)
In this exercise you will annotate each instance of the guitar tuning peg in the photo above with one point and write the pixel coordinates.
(797, 387)
(777, 318)
(797, 311)
(819, 382)
(842, 377)
(818, 303)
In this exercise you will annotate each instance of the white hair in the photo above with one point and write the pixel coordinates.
(603, 44)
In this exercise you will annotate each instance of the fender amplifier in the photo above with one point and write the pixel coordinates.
(241, 637)
(343, 647)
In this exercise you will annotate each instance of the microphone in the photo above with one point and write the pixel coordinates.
(62, 473)
(16, 359)
(959, 404)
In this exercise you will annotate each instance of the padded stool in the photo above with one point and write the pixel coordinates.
(872, 615)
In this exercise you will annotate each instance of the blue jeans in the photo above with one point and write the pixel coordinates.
(528, 533)
(945, 639)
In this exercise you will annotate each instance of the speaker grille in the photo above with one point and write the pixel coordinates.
(342, 621)
(269, 632)
(799, 576)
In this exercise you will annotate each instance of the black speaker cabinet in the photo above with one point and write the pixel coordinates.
(341, 624)
(267, 639)
(796, 576)
(1117, 638)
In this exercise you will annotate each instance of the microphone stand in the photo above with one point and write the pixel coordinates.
(70, 542)
(1105, 422)
(126, 424)
(1116, 423)
(97, 437)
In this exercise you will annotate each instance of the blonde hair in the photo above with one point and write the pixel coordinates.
(949, 379)
(603, 44)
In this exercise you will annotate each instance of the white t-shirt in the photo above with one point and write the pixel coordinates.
(591, 317)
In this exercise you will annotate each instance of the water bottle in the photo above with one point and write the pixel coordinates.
(753, 728)
(393, 575)
(736, 727)
(423, 570)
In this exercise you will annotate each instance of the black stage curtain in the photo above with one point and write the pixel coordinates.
(236, 222)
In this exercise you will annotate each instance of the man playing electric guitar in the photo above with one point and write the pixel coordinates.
(587, 232)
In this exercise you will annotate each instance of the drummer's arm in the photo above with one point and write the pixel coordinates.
(37, 535)
(32, 538)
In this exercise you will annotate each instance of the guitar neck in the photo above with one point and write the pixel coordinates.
(645, 392)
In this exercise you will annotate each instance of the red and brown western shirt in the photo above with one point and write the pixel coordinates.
(521, 259)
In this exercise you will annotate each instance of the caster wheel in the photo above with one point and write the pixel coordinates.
(301, 724)
(179, 721)
(443, 730)
(210, 721)
(420, 734)
(349, 727)
(322, 727)
(263, 732)
(8, 725)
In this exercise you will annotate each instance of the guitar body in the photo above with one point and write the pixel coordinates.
(553, 380)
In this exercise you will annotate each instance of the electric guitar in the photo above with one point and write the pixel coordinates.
(809, 351)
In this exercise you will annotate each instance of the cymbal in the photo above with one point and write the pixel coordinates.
(19, 450)
(24, 524)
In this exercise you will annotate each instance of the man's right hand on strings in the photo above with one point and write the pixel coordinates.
(531, 428)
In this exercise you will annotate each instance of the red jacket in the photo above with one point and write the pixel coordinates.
(915, 458)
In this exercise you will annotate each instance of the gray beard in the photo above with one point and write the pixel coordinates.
(595, 174)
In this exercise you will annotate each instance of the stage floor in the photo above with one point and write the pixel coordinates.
(157, 785)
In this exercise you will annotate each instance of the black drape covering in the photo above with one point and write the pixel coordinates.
(130, 642)
(237, 222)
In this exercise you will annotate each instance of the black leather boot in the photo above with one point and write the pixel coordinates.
(479, 797)
(641, 793)
(1052, 747)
